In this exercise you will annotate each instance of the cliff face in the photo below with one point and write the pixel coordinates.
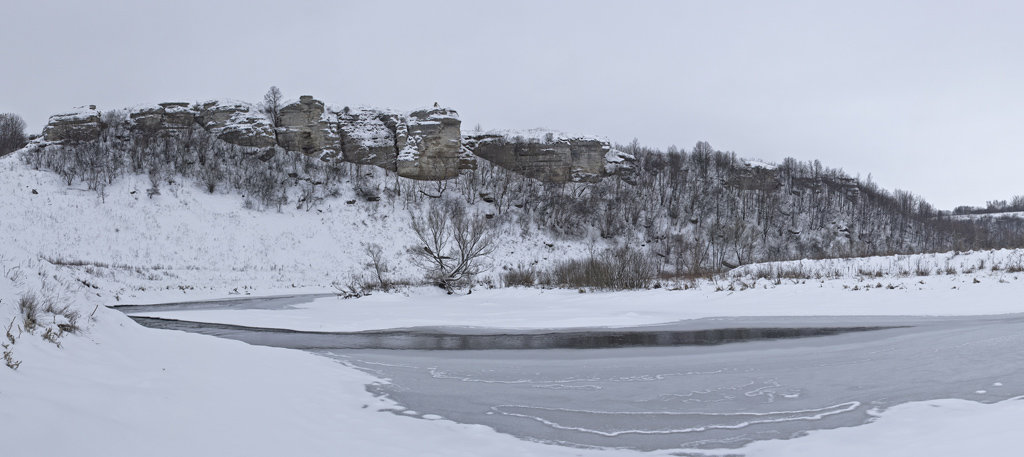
(429, 145)
(426, 144)
(82, 124)
(550, 156)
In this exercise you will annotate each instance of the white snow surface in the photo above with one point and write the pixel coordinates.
(760, 164)
(123, 390)
(936, 428)
(975, 217)
(539, 309)
(539, 135)
(118, 389)
(76, 114)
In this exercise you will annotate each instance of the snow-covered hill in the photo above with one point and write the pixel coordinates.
(129, 247)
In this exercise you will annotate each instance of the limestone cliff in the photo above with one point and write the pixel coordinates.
(82, 124)
(551, 156)
(425, 144)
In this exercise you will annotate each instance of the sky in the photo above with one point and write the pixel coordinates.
(925, 96)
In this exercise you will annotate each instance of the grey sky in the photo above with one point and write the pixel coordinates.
(926, 96)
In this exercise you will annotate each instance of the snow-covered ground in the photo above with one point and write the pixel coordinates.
(955, 295)
(120, 389)
(975, 217)
(115, 388)
(934, 428)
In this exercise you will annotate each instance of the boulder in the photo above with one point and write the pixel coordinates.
(81, 124)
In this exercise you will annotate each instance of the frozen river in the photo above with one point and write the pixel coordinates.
(705, 383)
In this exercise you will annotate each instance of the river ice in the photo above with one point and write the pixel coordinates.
(705, 397)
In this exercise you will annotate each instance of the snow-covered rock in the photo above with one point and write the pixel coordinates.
(424, 144)
(550, 156)
(163, 116)
(307, 128)
(237, 123)
(81, 124)
(431, 147)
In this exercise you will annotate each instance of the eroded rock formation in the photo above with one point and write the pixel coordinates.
(165, 116)
(237, 123)
(425, 144)
(82, 124)
(308, 128)
(430, 144)
(551, 156)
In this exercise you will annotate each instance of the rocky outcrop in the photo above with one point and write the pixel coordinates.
(756, 176)
(171, 116)
(430, 144)
(550, 156)
(308, 128)
(82, 124)
(425, 144)
(237, 123)
(368, 137)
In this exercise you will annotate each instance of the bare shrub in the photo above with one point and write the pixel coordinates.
(378, 265)
(28, 305)
(920, 269)
(796, 271)
(9, 357)
(519, 276)
(53, 336)
(870, 273)
(614, 269)
(452, 244)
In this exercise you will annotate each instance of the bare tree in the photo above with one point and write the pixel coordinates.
(272, 105)
(12, 133)
(452, 245)
(379, 264)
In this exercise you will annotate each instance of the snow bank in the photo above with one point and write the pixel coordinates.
(936, 428)
(538, 309)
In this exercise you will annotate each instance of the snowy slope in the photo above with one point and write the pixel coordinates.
(115, 388)
(131, 247)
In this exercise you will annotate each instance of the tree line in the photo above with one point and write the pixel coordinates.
(688, 212)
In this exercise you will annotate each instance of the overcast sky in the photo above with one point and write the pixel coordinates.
(926, 96)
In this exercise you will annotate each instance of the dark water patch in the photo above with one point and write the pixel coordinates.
(434, 339)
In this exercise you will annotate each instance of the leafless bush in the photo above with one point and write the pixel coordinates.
(519, 276)
(53, 336)
(920, 269)
(9, 356)
(796, 271)
(28, 305)
(615, 269)
(378, 265)
(452, 244)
